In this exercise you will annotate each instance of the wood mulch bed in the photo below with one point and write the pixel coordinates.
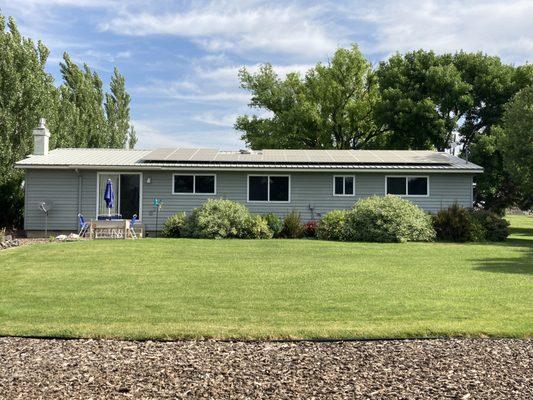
(411, 369)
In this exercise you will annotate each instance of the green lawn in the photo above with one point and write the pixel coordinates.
(186, 288)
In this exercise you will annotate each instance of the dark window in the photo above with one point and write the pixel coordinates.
(348, 185)
(396, 185)
(268, 188)
(344, 186)
(279, 188)
(339, 182)
(417, 186)
(258, 188)
(205, 184)
(183, 183)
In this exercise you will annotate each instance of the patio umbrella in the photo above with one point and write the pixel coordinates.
(109, 196)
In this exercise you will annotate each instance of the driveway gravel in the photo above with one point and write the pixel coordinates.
(411, 369)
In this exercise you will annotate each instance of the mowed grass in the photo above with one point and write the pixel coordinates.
(186, 288)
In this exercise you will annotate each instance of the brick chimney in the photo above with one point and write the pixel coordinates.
(41, 136)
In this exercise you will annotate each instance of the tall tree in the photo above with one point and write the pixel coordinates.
(75, 111)
(423, 98)
(83, 89)
(27, 92)
(117, 107)
(332, 107)
(427, 99)
(516, 141)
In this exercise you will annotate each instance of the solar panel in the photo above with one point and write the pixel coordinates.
(300, 156)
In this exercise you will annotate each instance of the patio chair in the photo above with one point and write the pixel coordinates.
(132, 226)
(84, 226)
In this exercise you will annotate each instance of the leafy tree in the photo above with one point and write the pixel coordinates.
(332, 107)
(428, 98)
(75, 111)
(516, 139)
(423, 98)
(27, 92)
(117, 107)
(495, 190)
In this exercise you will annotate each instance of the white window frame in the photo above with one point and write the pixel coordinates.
(268, 189)
(98, 173)
(194, 185)
(343, 185)
(407, 185)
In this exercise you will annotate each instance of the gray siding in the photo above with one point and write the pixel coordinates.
(59, 187)
(308, 189)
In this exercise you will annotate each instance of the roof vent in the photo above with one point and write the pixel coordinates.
(245, 151)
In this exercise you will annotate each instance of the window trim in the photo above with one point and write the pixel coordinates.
(194, 185)
(407, 185)
(268, 189)
(343, 185)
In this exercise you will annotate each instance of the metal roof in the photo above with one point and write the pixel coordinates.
(263, 159)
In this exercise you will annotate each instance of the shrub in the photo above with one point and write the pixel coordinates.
(274, 223)
(454, 224)
(310, 229)
(256, 227)
(493, 227)
(332, 225)
(173, 226)
(292, 226)
(388, 219)
(217, 218)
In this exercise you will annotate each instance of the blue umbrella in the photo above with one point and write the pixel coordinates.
(109, 196)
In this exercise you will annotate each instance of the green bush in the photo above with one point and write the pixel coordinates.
(219, 218)
(494, 228)
(274, 223)
(332, 225)
(292, 226)
(458, 224)
(256, 227)
(454, 224)
(388, 219)
(173, 226)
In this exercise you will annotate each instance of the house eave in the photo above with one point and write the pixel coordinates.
(317, 168)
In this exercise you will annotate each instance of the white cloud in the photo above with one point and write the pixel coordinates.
(237, 27)
(210, 118)
(189, 91)
(151, 136)
(494, 27)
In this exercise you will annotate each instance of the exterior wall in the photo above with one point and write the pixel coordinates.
(307, 190)
(60, 188)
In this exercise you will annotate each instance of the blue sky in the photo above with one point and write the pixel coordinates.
(180, 58)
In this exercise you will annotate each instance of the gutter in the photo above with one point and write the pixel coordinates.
(211, 168)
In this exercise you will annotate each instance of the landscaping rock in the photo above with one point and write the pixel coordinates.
(414, 369)
(8, 243)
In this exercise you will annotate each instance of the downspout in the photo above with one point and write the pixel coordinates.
(79, 190)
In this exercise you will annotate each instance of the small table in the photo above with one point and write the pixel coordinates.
(112, 229)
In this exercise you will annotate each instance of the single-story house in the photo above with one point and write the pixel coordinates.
(312, 182)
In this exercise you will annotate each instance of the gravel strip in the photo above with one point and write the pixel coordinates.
(418, 369)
